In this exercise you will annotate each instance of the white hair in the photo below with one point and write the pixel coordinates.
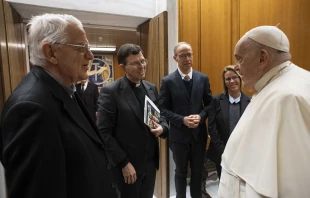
(48, 28)
(276, 56)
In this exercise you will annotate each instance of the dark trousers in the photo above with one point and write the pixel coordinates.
(144, 185)
(219, 170)
(184, 153)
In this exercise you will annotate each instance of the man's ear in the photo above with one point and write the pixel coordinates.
(49, 53)
(263, 59)
(122, 66)
(175, 58)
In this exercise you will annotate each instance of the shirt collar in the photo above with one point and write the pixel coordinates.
(265, 79)
(190, 74)
(85, 84)
(232, 100)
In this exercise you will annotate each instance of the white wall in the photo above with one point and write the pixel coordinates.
(161, 5)
(140, 8)
(172, 8)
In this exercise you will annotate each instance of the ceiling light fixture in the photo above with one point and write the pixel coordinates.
(103, 49)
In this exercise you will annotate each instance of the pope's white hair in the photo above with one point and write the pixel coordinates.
(48, 28)
(276, 56)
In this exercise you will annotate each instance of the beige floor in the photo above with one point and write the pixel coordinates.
(212, 188)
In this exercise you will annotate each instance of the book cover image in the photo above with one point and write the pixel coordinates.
(151, 112)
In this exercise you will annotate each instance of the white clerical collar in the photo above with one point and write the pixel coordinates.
(232, 100)
(265, 79)
(190, 74)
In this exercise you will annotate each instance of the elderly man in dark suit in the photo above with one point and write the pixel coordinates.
(50, 146)
(185, 99)
(226, 110)
(89, 94)
(132, 145)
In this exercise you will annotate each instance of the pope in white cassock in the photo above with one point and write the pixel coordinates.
(268, 153)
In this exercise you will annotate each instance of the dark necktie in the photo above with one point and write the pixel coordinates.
(186, 78)
(82, 88)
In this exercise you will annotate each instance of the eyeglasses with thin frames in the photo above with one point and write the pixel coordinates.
(184, 56)
(85, 48)
(234, 78)
(137, 63)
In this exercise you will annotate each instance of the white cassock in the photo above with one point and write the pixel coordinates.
(268, 153)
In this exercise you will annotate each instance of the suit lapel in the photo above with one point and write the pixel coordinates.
(150, 92)
(180, 84)
(78, 88)
(195, 79)
(88, 88)
(224, 103)
(82, 119)
(243, 102)
(131, 99)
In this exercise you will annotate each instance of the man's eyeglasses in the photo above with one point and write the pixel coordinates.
(137, 63)
(183, 56)
(80, 48)
(235, 77)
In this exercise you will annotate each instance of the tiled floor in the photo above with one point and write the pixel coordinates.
(212, 187)
(212, 181)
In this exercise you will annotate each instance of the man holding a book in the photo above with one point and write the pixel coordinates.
(131, 144)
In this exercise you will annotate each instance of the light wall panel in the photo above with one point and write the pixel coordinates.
(13, 65)
(189, 27)
(294, 19)
(15, 45)
(157, 69)
(213, 27)
(215, 40)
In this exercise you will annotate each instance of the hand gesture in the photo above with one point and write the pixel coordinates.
(192, 121)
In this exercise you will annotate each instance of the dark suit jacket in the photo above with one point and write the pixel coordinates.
(89, 97)
(219, 124)
(120, 121)
(175, 103)
(51, 146)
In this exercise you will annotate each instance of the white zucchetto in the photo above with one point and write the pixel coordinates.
(270, 36)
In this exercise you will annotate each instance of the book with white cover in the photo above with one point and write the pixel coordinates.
(151, 112)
